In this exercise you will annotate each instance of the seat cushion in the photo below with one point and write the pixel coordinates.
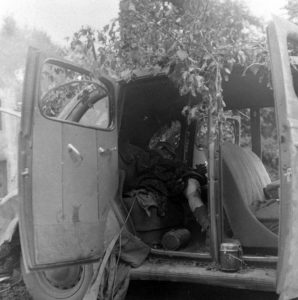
(244, 177)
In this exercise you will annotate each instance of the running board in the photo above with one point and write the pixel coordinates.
(259, 279)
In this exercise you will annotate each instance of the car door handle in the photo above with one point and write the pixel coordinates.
(74, 154)
(106, 151)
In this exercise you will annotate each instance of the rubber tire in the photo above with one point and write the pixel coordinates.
(41, 289)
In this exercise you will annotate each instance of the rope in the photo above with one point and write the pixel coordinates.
(97, 277)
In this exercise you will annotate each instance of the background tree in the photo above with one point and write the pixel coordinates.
(196, 43)
(14, 45)
(292, 10)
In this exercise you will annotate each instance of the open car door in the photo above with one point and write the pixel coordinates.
(67, 163)
(283, 41)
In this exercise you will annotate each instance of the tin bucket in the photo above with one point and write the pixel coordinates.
(230, 256)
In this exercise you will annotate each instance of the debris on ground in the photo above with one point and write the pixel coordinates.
(13, 287)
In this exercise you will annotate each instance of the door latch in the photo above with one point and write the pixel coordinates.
(106, 151)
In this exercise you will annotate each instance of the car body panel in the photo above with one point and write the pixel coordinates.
(286, 103)
(66, 184)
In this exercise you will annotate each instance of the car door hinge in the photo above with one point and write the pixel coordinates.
(288, 174)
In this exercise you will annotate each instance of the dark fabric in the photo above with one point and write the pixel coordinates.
(129, 252)
(154, 191)
(162, 175)
(143, 222)
(150, 171)
(133, 250)
(115, 280)
(147, 200)
(132, 160)
(10, 254)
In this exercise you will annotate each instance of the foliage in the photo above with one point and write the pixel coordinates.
(292, 10)
(196, 43)
(14, 45)
(9, 26)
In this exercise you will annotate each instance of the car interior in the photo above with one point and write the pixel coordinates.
(151, 109)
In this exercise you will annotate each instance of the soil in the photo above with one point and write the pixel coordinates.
(155, 290)
(14, 288)
(12, 291)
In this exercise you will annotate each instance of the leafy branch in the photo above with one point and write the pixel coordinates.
(196, 42)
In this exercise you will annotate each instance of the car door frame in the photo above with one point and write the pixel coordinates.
(286, 106)
(35, 59)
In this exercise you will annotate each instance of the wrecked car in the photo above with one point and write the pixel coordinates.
(72, 188)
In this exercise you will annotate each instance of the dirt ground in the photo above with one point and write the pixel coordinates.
(150, 290)
(14, 290)
(156, 291)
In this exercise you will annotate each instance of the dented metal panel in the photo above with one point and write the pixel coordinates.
(46, 171)
(66, 186)
(286, 103)
(79, 175)
(65, 200)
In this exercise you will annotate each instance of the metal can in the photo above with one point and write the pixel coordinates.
(175, 239)
(230, 256)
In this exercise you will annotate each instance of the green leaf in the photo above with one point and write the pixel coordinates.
(254, 69)
(182, 55)
(126, 75)
(131, 7)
